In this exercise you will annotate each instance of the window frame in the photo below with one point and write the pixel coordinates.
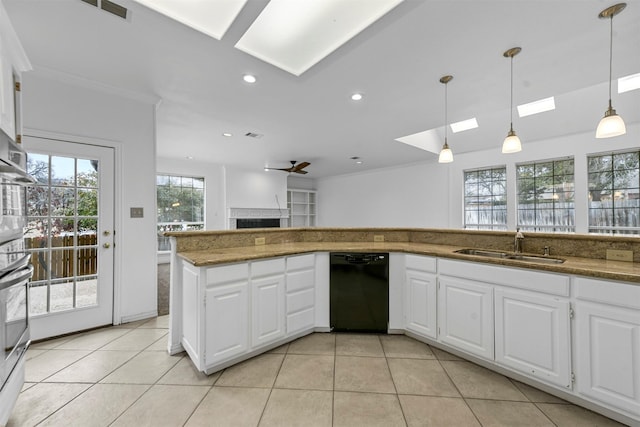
(555, 211)
(613, 229)
(492, 225)
(163, 245)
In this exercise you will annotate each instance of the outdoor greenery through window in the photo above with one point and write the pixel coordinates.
(614, 187)
(546, 196)
(180, 201)
(485, 199)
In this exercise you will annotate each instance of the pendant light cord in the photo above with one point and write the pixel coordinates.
(445, 112)
(610, 58)
(511, 106)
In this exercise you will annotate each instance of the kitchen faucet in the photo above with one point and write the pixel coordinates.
(517, 242)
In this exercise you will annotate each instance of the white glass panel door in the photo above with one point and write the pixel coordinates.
(70, 235)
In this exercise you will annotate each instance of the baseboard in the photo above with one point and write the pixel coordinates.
(139, 316)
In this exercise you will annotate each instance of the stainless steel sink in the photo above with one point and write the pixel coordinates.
(488, 253)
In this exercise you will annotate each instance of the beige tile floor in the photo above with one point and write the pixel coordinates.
(123, 376)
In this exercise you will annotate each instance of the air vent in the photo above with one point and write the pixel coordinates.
(253, 135)
(109, 6)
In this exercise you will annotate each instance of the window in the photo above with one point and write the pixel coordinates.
(614, 185)
(180, 201)
(485, 199)
(546, 196)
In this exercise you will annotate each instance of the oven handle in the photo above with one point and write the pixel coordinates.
(16, 277)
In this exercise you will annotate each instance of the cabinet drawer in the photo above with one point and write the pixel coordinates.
(228, 273)
(301, 320)
(549, 283)
(268, 267)
(300, 280)
(421, 263)
(299, 300)
(616, 293)
(301, 262)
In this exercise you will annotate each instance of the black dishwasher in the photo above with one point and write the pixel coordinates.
(359, 285)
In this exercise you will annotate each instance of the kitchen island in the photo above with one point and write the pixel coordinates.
(236, 294)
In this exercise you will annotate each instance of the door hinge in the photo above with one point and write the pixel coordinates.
(573, 378)
(18, 139)
(571, 312)
(17, 86)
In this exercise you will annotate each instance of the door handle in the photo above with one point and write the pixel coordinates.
(106, 245)
(106, 233)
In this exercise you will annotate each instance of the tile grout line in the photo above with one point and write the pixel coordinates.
(386, 360)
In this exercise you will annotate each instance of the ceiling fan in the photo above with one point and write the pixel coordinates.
(294, 168)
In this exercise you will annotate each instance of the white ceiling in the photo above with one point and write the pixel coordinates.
(396, 63)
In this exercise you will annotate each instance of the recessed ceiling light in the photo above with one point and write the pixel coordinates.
(627, 83)
(463, 125)
(356, 96)
(227, 134)
(212, 18)
(535, 107)
(294, 35)
(249, 78)
(189, 157)
(356, 159)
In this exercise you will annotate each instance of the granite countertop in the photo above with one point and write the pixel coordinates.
(597, 268)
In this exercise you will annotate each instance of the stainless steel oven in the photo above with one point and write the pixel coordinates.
(15, 273)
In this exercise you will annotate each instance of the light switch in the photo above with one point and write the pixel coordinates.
(136, 212)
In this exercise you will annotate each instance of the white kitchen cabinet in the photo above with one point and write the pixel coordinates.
(466, 315)
(267, 301)
(608, 343)
(227, 329)
(532, 334)
(300, 293)
(420, 295)
(13, 62)
(267, 310)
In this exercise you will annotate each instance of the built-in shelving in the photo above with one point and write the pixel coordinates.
(302, 208)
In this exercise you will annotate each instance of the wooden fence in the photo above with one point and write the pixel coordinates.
(79, 261)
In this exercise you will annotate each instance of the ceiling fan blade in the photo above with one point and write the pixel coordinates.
(300, 171)
(299, 167)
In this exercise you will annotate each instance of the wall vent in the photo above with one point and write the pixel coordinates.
(253, 135)
(109, 6)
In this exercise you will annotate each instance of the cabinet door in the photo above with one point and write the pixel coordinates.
(226, 321)
(420, 303)
(466, 315)
(267, 296)
(7, 100)
(608, 355)
(532, 335)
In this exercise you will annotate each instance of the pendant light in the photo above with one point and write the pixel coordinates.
(446, 155)
(511, 143)
(611, 124)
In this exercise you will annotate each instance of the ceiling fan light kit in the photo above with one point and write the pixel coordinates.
(611, 124)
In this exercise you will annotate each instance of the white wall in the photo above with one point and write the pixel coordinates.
(409, 196)
(213, 184)
(59, 105)
(255, 189)
(299, 183)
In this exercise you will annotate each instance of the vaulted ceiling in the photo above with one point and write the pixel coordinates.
(396, 63)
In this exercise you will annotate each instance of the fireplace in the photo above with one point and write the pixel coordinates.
(257, 218)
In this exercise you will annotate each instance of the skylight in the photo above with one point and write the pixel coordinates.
(427, 140)
(535, 107)
(627, 83)
(463, 125)
(212, 18)
(294, 35)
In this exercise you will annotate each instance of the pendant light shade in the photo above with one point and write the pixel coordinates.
(611, 124)
(511, 143)
(446, 155)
